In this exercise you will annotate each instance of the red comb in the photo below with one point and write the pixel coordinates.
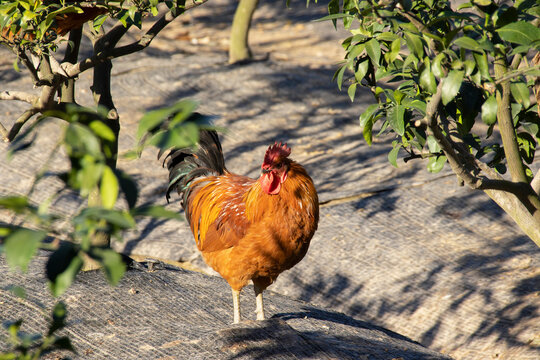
(276, 152)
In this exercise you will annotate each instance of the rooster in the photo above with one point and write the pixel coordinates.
(246, 229)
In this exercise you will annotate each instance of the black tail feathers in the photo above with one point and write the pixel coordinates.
(185, 165)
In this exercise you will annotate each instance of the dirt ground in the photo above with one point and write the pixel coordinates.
(401, 248)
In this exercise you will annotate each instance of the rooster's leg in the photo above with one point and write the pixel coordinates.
(259, 298)
(236, 305)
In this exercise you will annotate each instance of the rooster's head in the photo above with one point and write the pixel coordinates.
(274, 168)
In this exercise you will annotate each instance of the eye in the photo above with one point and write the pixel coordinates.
(278, 165)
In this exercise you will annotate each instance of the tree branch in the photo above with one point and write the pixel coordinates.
(18, 95)
(143, 42)
(20, 122)
(506, 126)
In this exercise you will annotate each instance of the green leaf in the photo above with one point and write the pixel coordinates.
(102, 130)
(470, 65)
(112, 262)
(333, 10)
(80, 140)
(153, 120)
(58, 319)
(362, 70)
(415, 45)
(373, 49)
(367, 130)
(520, 32)
(21, 245)
(467, 43)
(527, 146)
(62, 267)
(489, 110)
(108, 188)
(437, 67)
(436, 163)
(396, 118)
(156, 211)
(392, 155)
(338, 76)
(352, 91)
(118, 218)
(427, 80)
(433, 145)
(482, 64)
(451, 85)
(17, 204)
(520, 92)
(366, 122)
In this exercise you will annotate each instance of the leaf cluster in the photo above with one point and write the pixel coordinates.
(405, 51)
(35, 346)
(86, 139)
(37, 25)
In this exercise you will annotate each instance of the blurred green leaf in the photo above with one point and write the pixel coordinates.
(21, 245)
(108, 188)
(113, 265)
(156, 212)
(118, 218)
(81, 141)
(102, 130)
(17, 204)
(62, 267)
(58, 320)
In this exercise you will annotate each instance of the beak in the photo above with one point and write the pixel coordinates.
(265, 171)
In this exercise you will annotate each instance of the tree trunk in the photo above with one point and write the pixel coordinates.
(239, 47)
(101, 89)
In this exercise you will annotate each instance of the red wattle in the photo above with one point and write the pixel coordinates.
(270, 184)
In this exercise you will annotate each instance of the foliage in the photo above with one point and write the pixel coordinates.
(34, 30)
(34, 346)
(86, 144)
(401, 51)
(438, 70)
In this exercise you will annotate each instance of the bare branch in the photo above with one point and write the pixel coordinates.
(29, 65)
(20, 122)
(515, 73)
(18, 95)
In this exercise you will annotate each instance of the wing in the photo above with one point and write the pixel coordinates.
(216, 211)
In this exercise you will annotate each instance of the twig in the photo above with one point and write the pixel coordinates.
(18, 95)
(20, 122)
(515, 73)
